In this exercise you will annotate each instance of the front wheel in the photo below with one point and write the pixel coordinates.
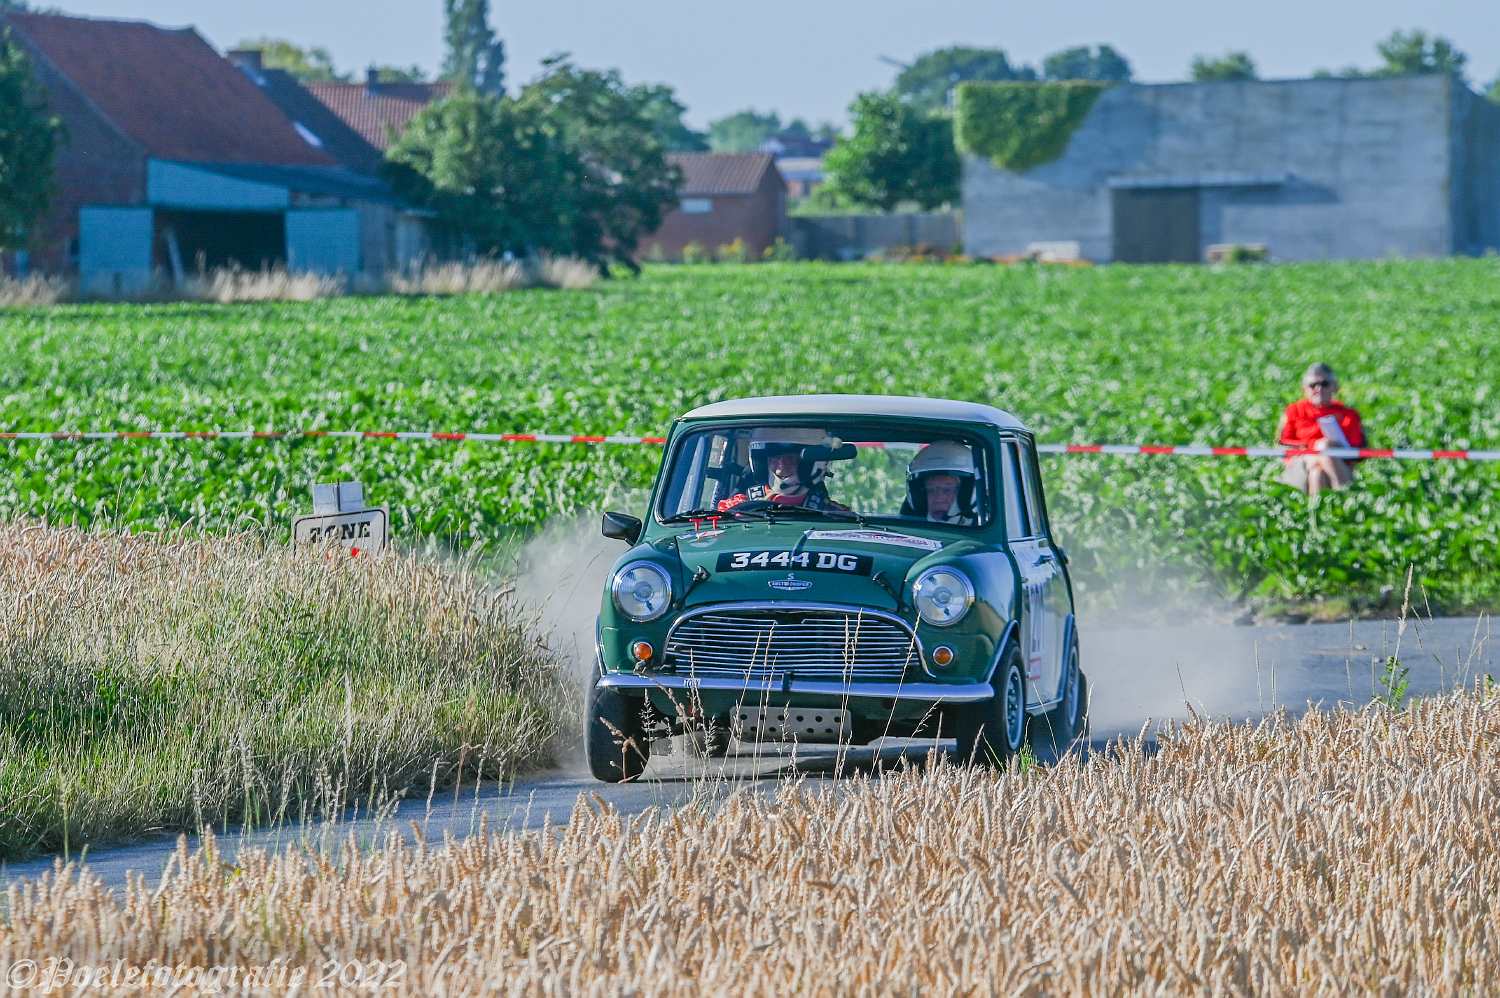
(615, 736)
(991, 732)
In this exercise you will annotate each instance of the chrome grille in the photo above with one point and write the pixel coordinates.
(768, 643)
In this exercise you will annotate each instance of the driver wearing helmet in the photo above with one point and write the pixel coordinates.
(940, 484)
(792, 462)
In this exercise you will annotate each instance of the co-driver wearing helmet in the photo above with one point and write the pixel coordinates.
(793, 464)
(940, 484)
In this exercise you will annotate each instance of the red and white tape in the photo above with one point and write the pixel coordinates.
(1155, 450)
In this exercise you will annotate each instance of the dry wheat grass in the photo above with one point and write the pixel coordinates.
(32, 291)
(231, 284)
(1342, 852)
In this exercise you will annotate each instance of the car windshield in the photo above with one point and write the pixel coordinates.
(832, 470)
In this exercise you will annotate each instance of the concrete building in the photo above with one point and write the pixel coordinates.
(724, 197)
(1313, 169)
(173, 159)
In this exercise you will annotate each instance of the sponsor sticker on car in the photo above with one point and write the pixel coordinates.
(812, 561)
(877, 537)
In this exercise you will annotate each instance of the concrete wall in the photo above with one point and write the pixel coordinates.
(853, 237)
(1316, 169)
(1476, 173)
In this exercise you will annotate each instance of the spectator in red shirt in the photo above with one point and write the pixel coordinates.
(1302, 426)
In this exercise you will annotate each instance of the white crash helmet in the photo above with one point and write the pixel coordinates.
(814, 449)
(941, 457)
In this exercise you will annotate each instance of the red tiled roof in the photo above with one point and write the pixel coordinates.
(376, 113)
(706, 174)
(168, 90)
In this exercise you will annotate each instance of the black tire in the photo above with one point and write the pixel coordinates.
(707, 738)
(991, 732)
(1059, 729)
(615, 737)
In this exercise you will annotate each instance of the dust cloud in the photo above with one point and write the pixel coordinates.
(558, 578)
(1151, 657)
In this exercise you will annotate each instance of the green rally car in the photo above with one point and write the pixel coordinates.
(838, 568)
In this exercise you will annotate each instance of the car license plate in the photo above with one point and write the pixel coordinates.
(810, 561)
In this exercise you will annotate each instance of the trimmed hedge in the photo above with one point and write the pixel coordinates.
(1018, 126)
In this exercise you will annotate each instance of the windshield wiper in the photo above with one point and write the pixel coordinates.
(846, 514)
(715, 514)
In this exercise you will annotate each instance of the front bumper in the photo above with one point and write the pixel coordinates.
(923, 692)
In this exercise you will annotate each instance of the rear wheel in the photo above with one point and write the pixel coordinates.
(1054, 732)
(615, 736)
(991, 732)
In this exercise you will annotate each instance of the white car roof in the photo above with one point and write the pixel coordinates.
(859, 405)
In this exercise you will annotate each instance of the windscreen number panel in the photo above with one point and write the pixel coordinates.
(812, 561)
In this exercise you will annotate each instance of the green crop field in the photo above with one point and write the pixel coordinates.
(1170, 355)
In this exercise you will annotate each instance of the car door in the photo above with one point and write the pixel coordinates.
(1056, 602)
(1026, 531)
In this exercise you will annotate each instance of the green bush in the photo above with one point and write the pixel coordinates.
(1018, 126)
(780, 251)
(734, 252)
(695, 253)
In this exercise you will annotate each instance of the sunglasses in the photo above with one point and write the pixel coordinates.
(1318, 384)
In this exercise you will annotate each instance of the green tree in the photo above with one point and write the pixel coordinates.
(492, 170)
(659, 104)
(476, 57)
(1100, 63)
(309, 64)
(897, 153)
(1494, 91)
(1415, 53)
(28, 143)
(1229, 66)
(742, 131)
(400, 74)
(929, 81)
(626, 186)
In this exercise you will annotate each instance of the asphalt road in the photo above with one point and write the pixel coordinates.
(1138, 677)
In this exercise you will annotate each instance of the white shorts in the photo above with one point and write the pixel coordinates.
(1295, 472)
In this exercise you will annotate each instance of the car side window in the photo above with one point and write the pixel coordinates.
(1017, 522)
(1036, 506)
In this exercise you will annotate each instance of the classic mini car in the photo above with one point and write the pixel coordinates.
(838, 568)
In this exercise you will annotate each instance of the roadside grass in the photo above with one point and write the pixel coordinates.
(1346, 850)
(151, 683)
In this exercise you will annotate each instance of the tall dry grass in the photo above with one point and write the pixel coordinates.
(150, 683)
(1342, 852)
(231, 284)
(478, 277)
(32, 291)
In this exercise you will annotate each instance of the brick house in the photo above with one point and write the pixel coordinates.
(172, 157)
(724, 197)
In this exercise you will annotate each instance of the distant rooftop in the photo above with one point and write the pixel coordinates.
(167, 90)
(709, 174)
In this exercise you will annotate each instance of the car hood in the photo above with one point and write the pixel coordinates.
(883, 552)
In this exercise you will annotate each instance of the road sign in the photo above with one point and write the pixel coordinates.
(340, 518)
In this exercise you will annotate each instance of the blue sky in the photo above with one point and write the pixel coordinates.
(808, 58)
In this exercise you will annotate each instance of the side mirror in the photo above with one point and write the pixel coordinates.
(621, 527)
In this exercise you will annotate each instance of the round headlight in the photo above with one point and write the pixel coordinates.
(642, 591)
(943, 596)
